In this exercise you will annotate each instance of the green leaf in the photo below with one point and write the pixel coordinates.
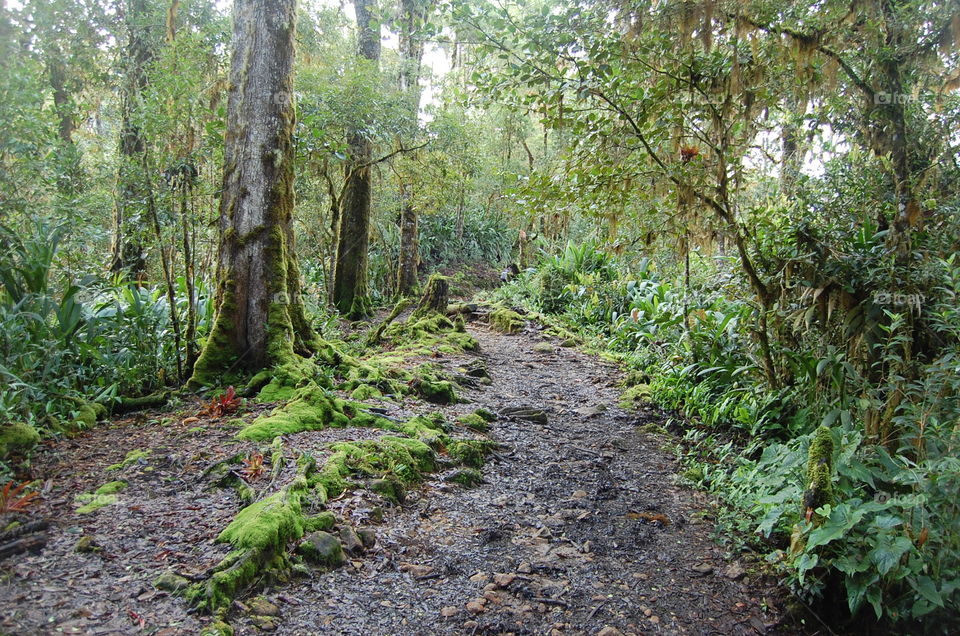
(887, 554)
(925, 586)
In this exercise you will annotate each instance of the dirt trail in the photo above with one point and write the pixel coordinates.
(579, 529)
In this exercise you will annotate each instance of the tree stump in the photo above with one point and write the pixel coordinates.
(435, 295)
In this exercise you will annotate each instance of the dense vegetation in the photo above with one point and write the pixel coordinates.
(752, 205)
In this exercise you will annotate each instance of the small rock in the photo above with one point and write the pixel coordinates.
(734, 571)
(417, 571)
(655, 620)
(477, 606)
(491, 596)
(609, 631)
(86, 544)
(579, 494)
(504, 580)
(350, 540)
(480, 577)
(368, 537)
(648, 612)
(543, 347)
(322, 548)
(266, 623)
(703, 569)
(449, 611)
(524, 568)
(587, 547)
(262, 607)
(471, 626)
(170, 582)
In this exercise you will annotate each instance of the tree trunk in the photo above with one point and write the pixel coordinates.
(436, 295)
(70, 179)
(129, 219)
(259, 320)
(350, 291)
(414, 13)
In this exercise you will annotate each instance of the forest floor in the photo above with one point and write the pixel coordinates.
(578, 528)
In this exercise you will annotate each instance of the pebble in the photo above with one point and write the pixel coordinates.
(609, 631)
(579, 494)
(504, 580)
(476, 606)
(479, 577)
(449, 611)
(524, 568)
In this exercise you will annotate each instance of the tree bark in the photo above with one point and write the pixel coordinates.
(350, 290)
(414, 13)
(129, 219)
(259, 320)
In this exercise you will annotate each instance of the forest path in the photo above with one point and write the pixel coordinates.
(578, 528)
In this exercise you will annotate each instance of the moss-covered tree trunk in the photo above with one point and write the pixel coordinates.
(259, 320)
(129, 216)
(436, 295)
(350, 290)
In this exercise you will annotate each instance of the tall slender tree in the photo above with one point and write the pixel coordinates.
(413, 14)
(350, 290)
(259, 322)
(133, 184)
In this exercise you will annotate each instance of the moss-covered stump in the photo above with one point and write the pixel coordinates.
(435, 296)
(506, 320)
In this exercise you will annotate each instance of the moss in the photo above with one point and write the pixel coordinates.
(635, 396)
(312, 408)
(404, 457)
(154, 400)
(694, 474)
(390, 488)
(469, 452)
(426, 332)
(132, 457)
(111, 487)
(506, 320)
(89, 413)
(426, 429)
(365, 392)
(280, 383)
(217, 628)
(323, 521)
(17, 438)
(466, 477)
(428, 385)
(820, 471)
(486, 414)
(323, 549)
(103, 496)
(474, 422)
(267, 525)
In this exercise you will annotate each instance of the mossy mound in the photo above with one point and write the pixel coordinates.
(311, 408)
(474, 422)
(506, 320)
(636, 395)
(103, 496)
(17, 438)
(135, 456)
(470, 452)
(425, 333)
(466, 477)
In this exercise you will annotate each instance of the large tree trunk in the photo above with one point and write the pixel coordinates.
(259, 320)
(133, 185)
(70, 179)
(414, 14)
(350, 291)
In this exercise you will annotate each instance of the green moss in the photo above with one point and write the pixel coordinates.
(466, 477)
(323, 549)
(132, 457)
(17, 438)
(323, 521)
(474, 422)
(311, 408)
(486, 414)
(820, 471)
(280, 383)
(111, 487)
(217, 628)
(469, 452)
(267, 525)
(506, 320)
(89, 413)
(635, 396)
(365, 392)
(401, 456)
(103, 496)
(154, 400)
(428, 385)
